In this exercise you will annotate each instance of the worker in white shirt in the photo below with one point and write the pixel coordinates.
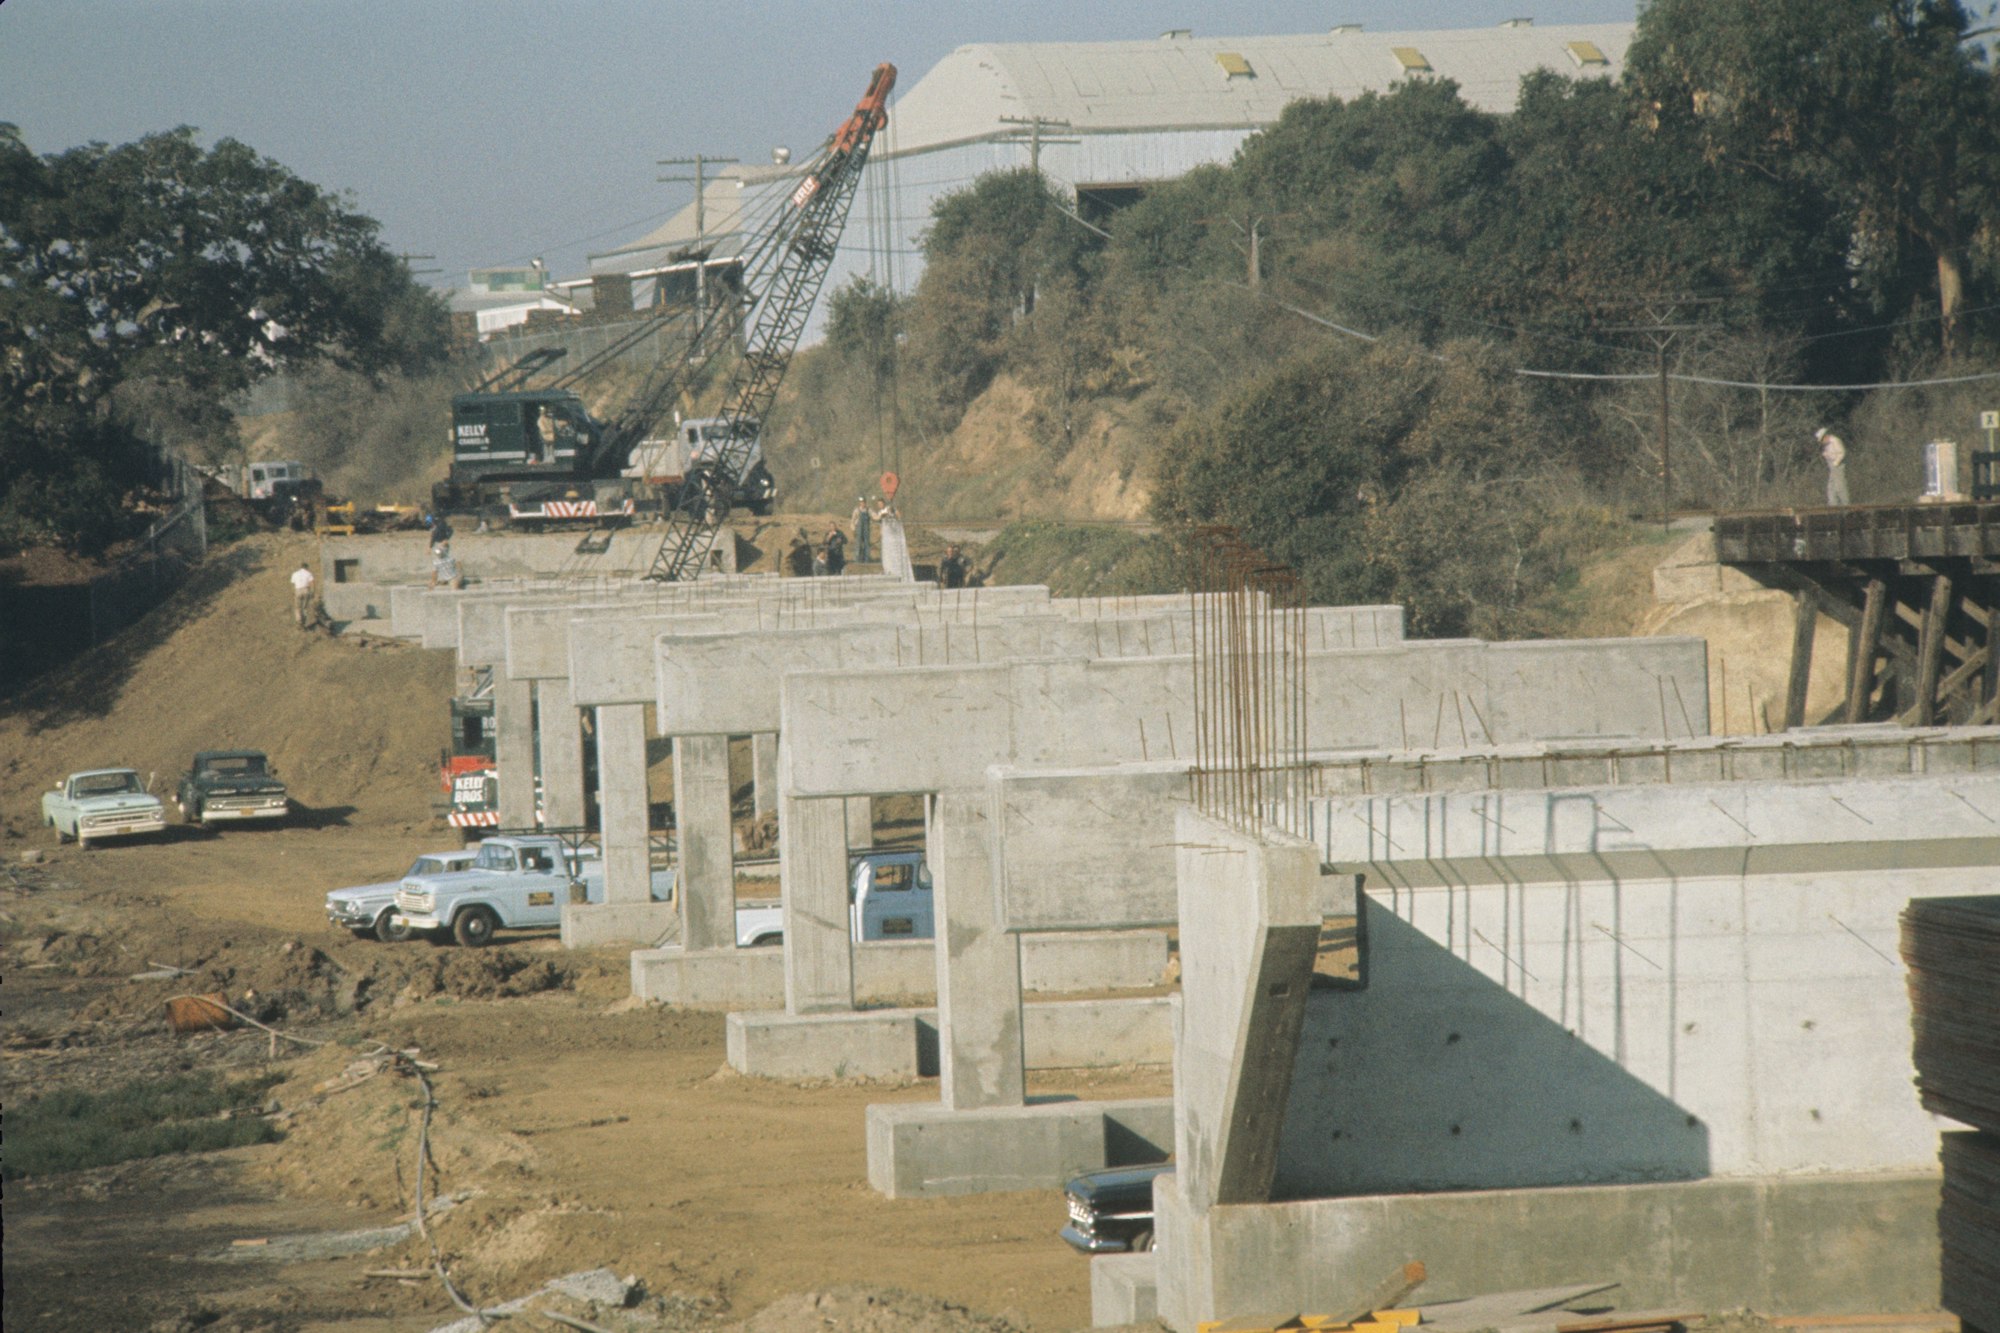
(302, 597)
(1835, 454)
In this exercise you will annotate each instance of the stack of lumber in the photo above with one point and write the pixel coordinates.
(1969, 1229)
(1952, 947)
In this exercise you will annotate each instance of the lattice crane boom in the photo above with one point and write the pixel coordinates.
(783, 276)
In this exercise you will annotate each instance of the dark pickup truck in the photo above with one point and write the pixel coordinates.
(231, 784)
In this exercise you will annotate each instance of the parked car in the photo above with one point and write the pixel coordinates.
(231, 784)
(1111, 1211)
(369, 910)
(101, 803)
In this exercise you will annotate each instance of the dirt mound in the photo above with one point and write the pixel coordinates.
(858, 1309)
(353, 725)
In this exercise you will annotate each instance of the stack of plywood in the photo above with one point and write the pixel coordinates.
(1969, 1229)
(1952, 946)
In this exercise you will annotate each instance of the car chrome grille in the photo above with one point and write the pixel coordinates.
(413, 900)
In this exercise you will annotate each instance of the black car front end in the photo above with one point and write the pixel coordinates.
(1111, 1211)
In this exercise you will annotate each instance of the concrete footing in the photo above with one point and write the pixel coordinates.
(587, 925)
(1057, 963)
(918, 1149)
(1124, 1289)
(1831, 1244)
(903, 1043)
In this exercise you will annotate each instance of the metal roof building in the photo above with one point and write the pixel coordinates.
(1111, 117)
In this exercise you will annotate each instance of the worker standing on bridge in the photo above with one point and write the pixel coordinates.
(861, 519)
(1835, 454)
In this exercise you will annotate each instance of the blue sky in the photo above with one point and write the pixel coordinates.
(494, 131)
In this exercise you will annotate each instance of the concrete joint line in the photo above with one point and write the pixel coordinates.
(1603, 814)
(1621, 943)
(1507, 957)
(1850, 809)
(1747, 831)
(1864, 940)
(1374, 832)
(1970, 806)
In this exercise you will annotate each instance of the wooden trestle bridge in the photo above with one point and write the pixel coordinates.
(1916, 585)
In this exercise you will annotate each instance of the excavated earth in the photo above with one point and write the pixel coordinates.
(572, 1130)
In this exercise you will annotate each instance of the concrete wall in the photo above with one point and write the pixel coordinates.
(1646, 983)
(932, 729)
(1250, 922)
(1822, 1245)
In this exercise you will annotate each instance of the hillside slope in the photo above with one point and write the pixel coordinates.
(353, 725)
(998, 462)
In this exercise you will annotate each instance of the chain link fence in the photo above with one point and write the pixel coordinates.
(172, 546)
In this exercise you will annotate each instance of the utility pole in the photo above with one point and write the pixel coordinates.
(1660, 329)
(410, 264)
(700, 162)
(1035, 138)
(1252, 228)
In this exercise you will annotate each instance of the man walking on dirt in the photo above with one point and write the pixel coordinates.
(302, 597)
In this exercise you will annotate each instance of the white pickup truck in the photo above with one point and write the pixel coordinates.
(515, 883)
(888, 898)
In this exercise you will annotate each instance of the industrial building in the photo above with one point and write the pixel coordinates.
(1103, 120)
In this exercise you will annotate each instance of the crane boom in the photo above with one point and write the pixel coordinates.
(782, 279)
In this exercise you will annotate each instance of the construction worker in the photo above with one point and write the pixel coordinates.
(304, 609)
(1835, 455)
(835, 550)
(862, 520)
(800, 558)
(953, 568)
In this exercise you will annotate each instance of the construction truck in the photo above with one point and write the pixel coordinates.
(664, 465)
(529, 454)
(468, 766)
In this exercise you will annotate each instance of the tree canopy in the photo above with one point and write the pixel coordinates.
(181, 275)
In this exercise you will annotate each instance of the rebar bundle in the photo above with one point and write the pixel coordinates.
(1249, 635)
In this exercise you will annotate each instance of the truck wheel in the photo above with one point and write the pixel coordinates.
(386, 929)
(61, 837)
(190, 814)
(475, 926)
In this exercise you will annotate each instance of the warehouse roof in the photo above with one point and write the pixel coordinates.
(1172, 83)
(1179, 81)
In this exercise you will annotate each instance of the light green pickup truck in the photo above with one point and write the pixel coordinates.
(102, 803)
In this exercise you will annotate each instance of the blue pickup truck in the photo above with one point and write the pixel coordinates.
(888, 898)
(515, 883)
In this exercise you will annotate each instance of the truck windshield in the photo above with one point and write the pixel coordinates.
(235, 765)
(495, 858)
(105, 784)
(431, 865)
